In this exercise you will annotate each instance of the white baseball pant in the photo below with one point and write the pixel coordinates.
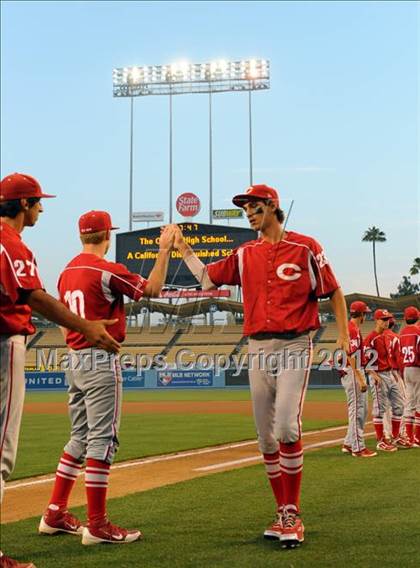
(277, 398)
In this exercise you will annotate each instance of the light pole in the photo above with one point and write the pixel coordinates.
(170, 159)
(250, 136)
(210, 162)
(130, 204)
(186, 78)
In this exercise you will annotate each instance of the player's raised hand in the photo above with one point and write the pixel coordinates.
(96, 333)
(167, 237)
(179, 238)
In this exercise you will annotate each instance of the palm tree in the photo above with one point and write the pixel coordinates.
(415, 269)
(374, 235)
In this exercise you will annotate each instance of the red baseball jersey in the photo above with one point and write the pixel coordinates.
(356, 347)
(392, 342)
(376, 341)
(356, 342)
(410, 346)
(18, 275)
(94, 289)
(281, 282)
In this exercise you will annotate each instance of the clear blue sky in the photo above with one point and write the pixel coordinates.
(337, 132)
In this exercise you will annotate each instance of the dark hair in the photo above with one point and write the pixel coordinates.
(411, 321)
(356, 314)
(13, 207)
(391, 324)
(280, 215)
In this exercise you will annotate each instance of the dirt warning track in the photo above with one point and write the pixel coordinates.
(28, 497)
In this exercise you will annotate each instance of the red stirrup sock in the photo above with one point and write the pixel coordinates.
(96, 481)
(379, 428)
(396, 425)
(417, 426)
(272, 468)
(65, 477)
(409, 428)
(291, 467)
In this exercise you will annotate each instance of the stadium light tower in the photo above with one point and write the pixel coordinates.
(187, 78)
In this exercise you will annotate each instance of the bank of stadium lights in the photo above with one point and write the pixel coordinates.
(184, 77)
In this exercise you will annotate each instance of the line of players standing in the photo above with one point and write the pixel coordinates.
(390, 364)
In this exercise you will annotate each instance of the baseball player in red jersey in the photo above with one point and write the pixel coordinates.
(392, 342)
(282, 275)
(354, 383)
(410, 361)
(21, 290)
(383, 384)
(93, 287)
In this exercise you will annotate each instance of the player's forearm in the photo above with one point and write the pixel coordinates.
(195, 265)
(339, 307)
(374, 376)
(55, 311)
(185, 249)
(357, 372)
(158, 274)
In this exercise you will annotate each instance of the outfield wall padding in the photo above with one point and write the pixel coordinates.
(173, 379)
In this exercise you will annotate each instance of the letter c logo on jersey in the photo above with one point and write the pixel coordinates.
(288, 271)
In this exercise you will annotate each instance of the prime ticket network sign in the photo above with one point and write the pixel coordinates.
(138, 250)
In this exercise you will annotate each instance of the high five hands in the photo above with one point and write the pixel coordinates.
(171, 237)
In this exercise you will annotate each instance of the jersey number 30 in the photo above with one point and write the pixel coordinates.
(75, 301)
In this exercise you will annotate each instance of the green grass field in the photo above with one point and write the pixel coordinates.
(332, 395)
(358, 514)
(147, 434)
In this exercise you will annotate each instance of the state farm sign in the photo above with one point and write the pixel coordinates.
(188, 205)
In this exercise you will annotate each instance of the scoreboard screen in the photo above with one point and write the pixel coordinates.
(138, 250)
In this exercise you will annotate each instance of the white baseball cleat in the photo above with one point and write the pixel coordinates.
(53, 522)
(274, 531)
(109, 533)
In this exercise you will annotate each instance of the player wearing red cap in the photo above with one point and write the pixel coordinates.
(282, 275)
(410, 360)
(383, 385)
(93, 287)
(392, 342)
(354, 383)
(21, 290)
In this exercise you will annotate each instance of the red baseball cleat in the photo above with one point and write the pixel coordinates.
(53, 522)
(385, 447)
(346, 449)
(109, 533)
(293, 531)
(403, 443)
(416, 443)
(365, 453)
(7, 562)
(273, 532)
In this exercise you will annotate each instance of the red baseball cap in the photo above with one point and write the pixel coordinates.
(255, 192)
(411, 313)
(382, 315)
(95, 221)
(359, 306)
(20, 186)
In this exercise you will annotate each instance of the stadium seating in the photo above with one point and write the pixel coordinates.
(212, 340)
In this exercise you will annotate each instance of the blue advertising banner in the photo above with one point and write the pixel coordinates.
(186, 379)
(51, 380)
(45, 380)
(133, 380)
